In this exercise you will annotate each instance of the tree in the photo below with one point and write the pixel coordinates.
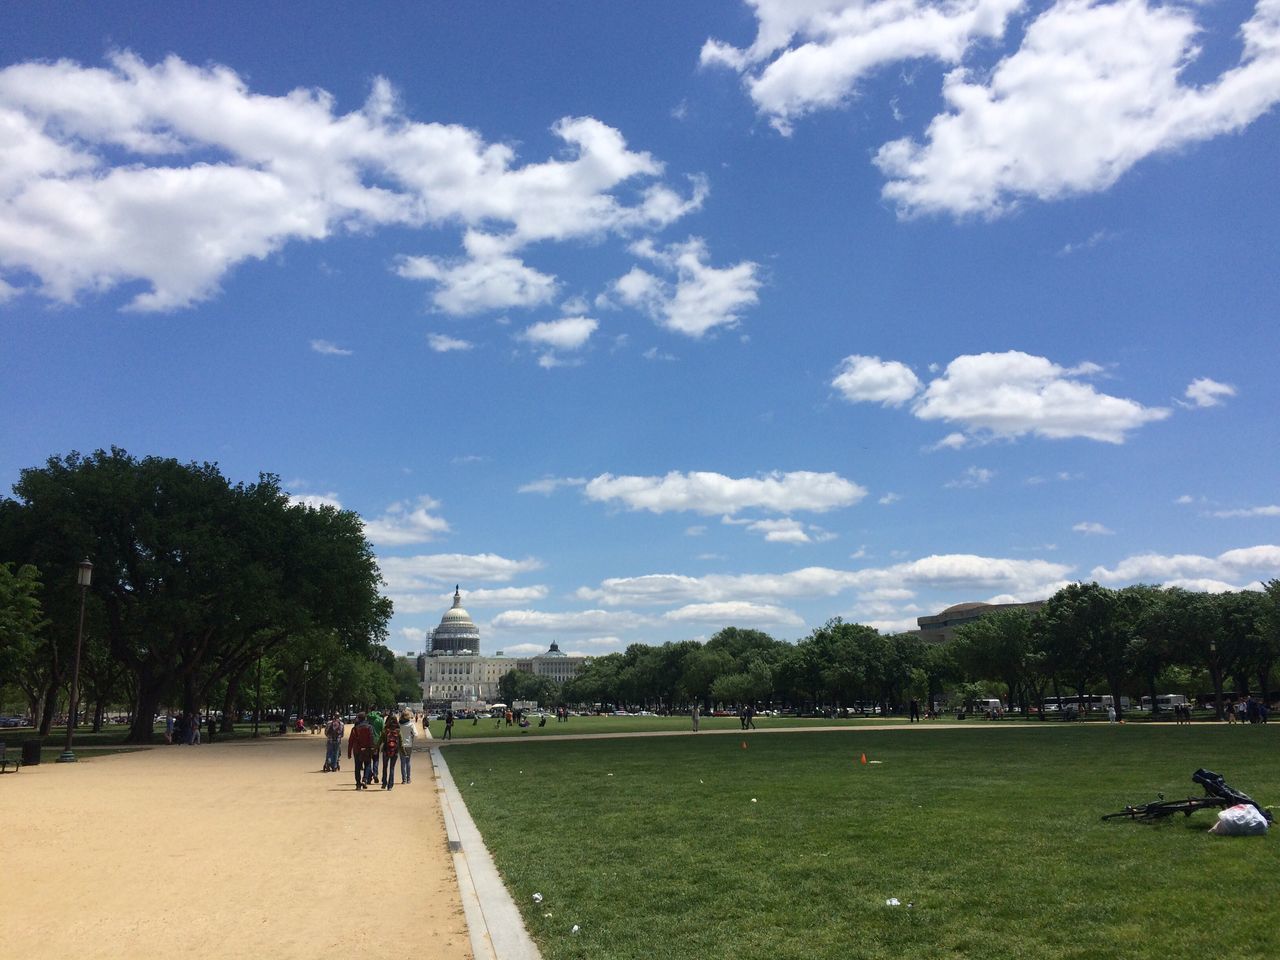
(997, 646)
(21, 626)
(194, 577)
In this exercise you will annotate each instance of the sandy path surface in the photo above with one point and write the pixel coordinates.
(238, 849)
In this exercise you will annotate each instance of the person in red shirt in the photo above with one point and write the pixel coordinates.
(360, 748)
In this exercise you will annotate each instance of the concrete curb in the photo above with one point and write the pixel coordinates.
(496, 927)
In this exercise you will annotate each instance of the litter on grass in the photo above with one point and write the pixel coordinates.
(1242, 820)
(575, 929)
(875, 761)
(893, 902)
(537, 898)
(753, 799)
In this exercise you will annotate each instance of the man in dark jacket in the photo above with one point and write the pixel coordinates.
(360, 749)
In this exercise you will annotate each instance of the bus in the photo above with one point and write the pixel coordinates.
(1089, 702)
(1165, 701)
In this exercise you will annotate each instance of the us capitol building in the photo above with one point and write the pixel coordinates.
(454, 674)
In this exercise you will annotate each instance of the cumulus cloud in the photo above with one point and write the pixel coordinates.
(710, 493)
(735, 612)
(170, 174)
(430, 571)
(588, 621)
(872, 380)
(1092, 528)
(1203, 392)
(786, 530)
(702, 297)
(329, 349)
(443, 343)
(1094, 89)
(1013, 394)
(316, 500)
(1246, 562)
(811, 55)
(488, 280)
(567, 333)
(406, 523)
(968, 572)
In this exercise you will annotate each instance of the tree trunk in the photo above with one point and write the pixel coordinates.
(142, 730)
(50, 706)
(1155, 698)
(99, 708)
(229, 704)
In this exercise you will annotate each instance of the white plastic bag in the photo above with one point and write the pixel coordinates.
(1242, 820)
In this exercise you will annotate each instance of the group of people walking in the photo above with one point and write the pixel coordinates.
(374, 736)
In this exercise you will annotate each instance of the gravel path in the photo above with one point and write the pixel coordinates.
(236, 849)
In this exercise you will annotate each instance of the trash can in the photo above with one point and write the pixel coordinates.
(31, 752)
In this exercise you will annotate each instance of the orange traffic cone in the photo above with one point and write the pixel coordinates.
(864, 758)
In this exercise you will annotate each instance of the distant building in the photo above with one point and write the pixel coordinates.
(941, 627)
(454, 671)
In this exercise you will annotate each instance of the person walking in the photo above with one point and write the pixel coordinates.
(333, 742)
(408, 734)
(915, 710)
(694, 715)
(389, 744)
(448, 725)
(360, 750)
(377, 724)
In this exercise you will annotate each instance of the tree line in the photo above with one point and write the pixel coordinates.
(199, 587)
(1133, 642)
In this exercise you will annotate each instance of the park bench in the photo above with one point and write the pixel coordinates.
(6, 763)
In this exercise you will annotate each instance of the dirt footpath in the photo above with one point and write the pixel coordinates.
(238, 849)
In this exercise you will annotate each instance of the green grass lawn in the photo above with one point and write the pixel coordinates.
(656, 848)
(465, 729)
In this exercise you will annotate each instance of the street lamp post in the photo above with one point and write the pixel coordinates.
(257, 714)
(84, 574)
(302, 712)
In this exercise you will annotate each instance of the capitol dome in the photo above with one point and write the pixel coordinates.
(457, 632)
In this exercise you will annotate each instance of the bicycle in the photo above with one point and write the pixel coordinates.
(1218, 796)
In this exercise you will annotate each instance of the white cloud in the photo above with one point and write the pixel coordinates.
(1094, 89)
(972, 477)
(710, 493)
(1095, 238)
(567, 333)
(1012, 394)
(443, 343)
(1271, 510)
(952, 441)
(780, 531)
(430, 571)
(406, 523)
(1182, 568)
(589, 621)
(414, 636)
(811, 54)
(485, 281)
(171, 174)
(734, 612)
(329, 349)
(889, 499)
(493, 597)
(549, 485)
(316, 500)
(872, 380)
(1092, 528)
(1204, 392)
(948, 571)
(1185, 499)
(697, 530)
(702, 298)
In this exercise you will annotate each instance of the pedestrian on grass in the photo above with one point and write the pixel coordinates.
(360, 750)
(408, 734)
(389, 747)
(695, 714)
(1111, 713)
(448, 725)
(915, 710)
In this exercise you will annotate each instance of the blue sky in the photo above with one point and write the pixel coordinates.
(641, 320)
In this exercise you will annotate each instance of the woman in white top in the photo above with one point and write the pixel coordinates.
(408, 733)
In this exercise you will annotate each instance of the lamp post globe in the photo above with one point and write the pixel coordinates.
(84, 576)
